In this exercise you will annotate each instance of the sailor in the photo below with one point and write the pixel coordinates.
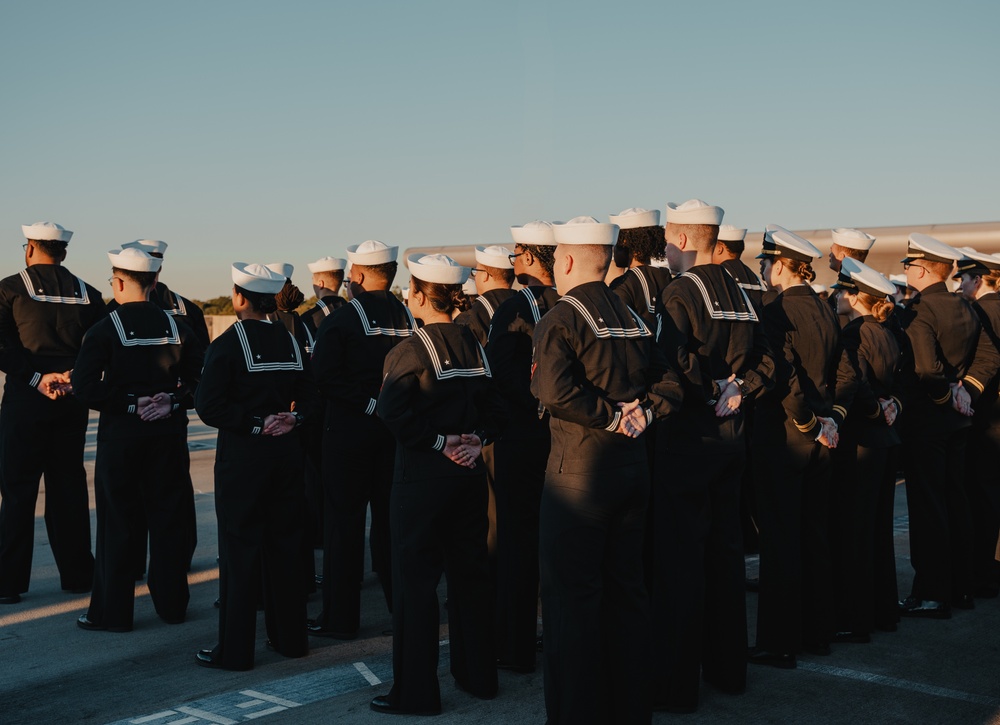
(593, 370)
(849, 244)
(730, 247)
(980, 279)
(640, 241)
(864, 461)
(139, 367)
(44, 312)
(358, 450)
(794, 425)
(439, 400)
(288, 300)
(256, 389)
(522, 448)
(327, 279)
(493, 277)
(711, 329)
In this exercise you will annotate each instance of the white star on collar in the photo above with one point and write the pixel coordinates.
(600, 319)
(258, 357)
(447, 362)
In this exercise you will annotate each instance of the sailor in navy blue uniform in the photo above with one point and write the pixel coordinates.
(44, 312)
(139, 367)
(257, 390)
(439, 400)
(595, 370)
(494, 277)
(351, 347)
(522, 448)
(327, 279)
(640, 243)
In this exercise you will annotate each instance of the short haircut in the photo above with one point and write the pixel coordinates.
(595, 256)
(259, 301)
(859, 254)
(385, 271)
(51, 247)
(332, 277)
(702, 237)
(938, 269)
(736, 247)
(145, 280)
(545, 254)
(504, 275)
(644, 243)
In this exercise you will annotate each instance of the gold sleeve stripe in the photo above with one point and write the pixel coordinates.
(942, 401)
(807, 427)
(842, 410)
(979, 386)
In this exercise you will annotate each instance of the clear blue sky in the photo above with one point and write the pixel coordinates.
(266, 131)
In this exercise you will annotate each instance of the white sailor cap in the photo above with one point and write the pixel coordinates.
(150, 246)
(437, 268)
(134, 259)
(536, 233)
(818, 288)
(779, 242)
(585, 230)
(635, 217)
(899, 280)
(46, 231)
(729, 233)
(257, 278)
(283, 268)
(469, 288)
(852, 239)
(406, 293)
(494, 256)
(694, 211)
(857, 277)
(327, 264)
(974, 263)
(372, 252)
(921, 246)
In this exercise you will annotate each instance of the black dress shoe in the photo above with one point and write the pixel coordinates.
(383, 705)
(10, 599)
(318, 630)
(924, 608)
(964, 601)
(852, 637)
(83, 622)
(782, 660)
(207, 658)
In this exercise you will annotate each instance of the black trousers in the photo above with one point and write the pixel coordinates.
(358, 461)
(594, 604)
(698, 602)
(795, 600)
(440, 525)
(258, 503)
(983, 490)
(886, 590)
(138, 485)
(39, 436)
(520, 473)
(941, 536)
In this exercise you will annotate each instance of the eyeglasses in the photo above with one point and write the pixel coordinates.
(25, 246)
(111, 280)
(476, 270)
(512, 257)
(907, 265)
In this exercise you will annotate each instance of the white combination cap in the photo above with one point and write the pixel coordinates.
(46, 231)
(257, 278)
(372, 252)
(694, 211)
(857, 276)
(635, 217)
(729, 233)
(536, 233)
(779, 242)
(437, 268)
(151, 246)
(921, 246)
(853, 239)
(283, 268)
(327, 264)
(900, 280)
(585, 230)
(134, 259)
(974, 262)
(494, 256)
(469, 288)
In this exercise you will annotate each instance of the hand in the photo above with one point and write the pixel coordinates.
(55, 385)
(730, 398)
(960, 399)
(153, 408)
(460, 452)
(889, 410)
(829, 436)
(633, 420)
(278, 424)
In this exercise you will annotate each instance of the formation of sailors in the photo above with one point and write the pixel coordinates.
(585, 438)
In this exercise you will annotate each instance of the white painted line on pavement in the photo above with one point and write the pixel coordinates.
(270, 698)
(262, 713)
(204, 715)
(900, 684)
(150, 718)
(367, 674)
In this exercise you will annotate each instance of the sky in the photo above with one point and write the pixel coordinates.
(265, 131)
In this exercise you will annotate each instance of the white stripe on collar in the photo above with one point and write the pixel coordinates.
(371, 330)
(323, 306)
(39, 297)
(645, 289)
(603, 331)
(128, 340)
(256, 367)
(750, 316)
(489, 308)
(440, 373)
(532, 304)
(180, 309)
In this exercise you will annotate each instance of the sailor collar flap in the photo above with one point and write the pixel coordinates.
(603, 319)
(448, 361)
(257, 341)
(727, 301)
(131, 334)
(371, 324)
(55, 290)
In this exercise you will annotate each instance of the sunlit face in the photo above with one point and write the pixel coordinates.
(844, 301)
(352, 281)
(766, 268)
(836, 257)
(559, 275)
(968, 285)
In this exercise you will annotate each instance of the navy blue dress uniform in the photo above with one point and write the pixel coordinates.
(592, 352)
(712, 331)
(327, 300)
(791, 468)
(479, 317)
(438, 383)
(44, 312)
(520, 452)
(254, 370)
(139, 481)
(865, 464)
(947, 347)
(358, 450)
